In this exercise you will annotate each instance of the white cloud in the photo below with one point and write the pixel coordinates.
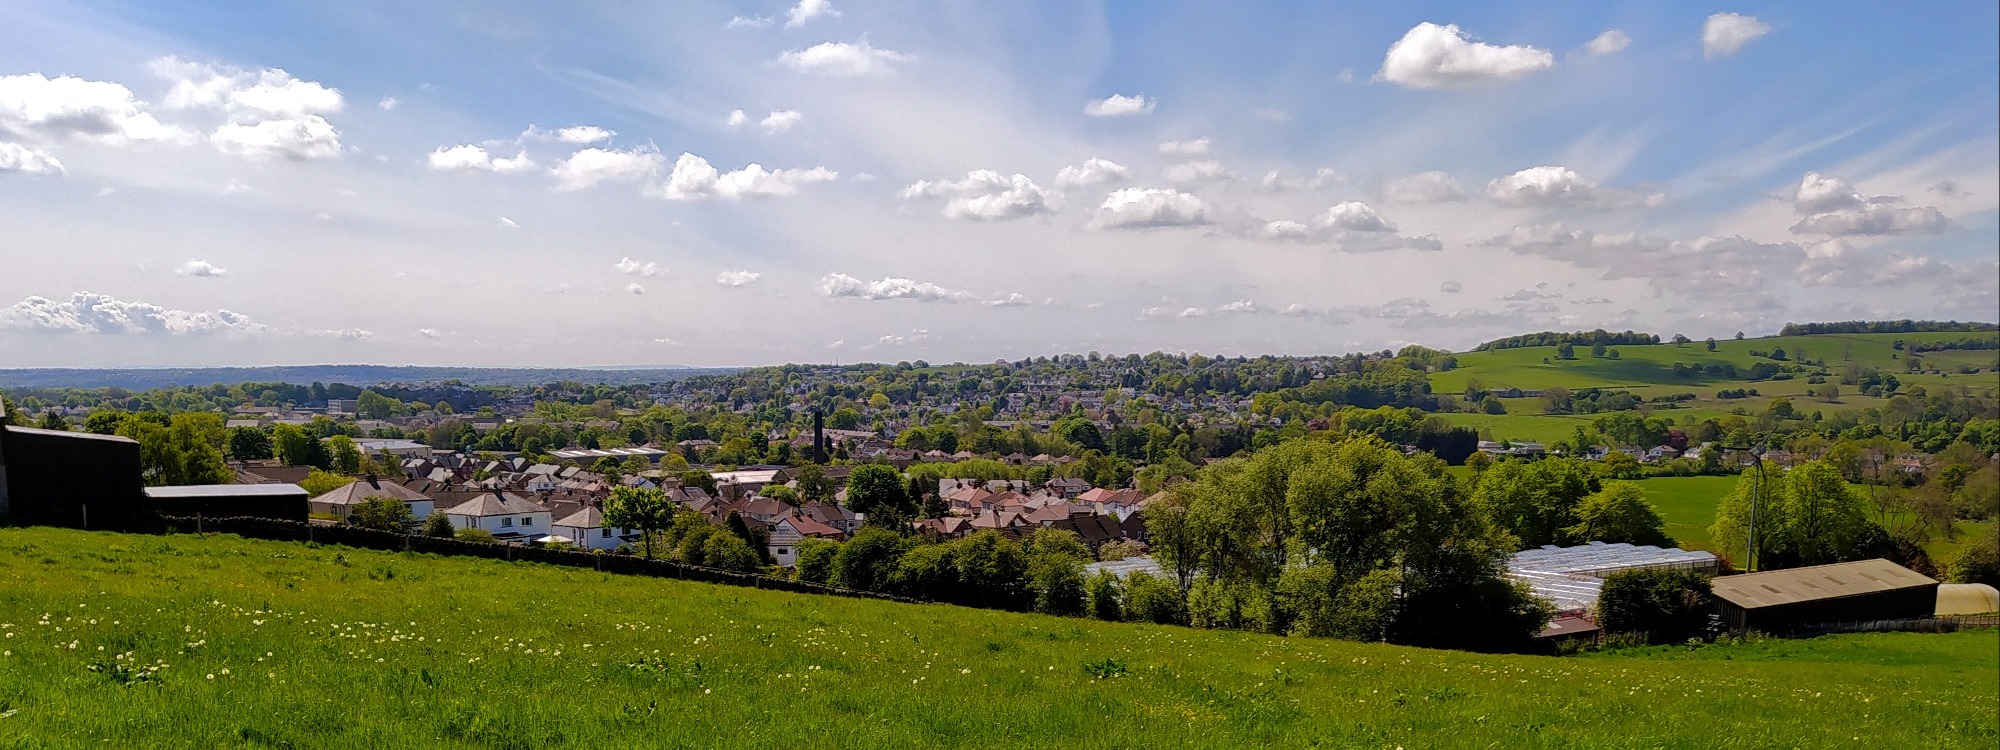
(1285, 229)
(843, 59)
(1451, 286)
(1608, 43)
(1138, 208)
(308, 137)
(1355, 216)
(1093, 171)
(737, 278)
(590, 166)
(749, 22)
(468, 157)
(634, 288)
(584, 134)
(86, 312)
(780, 121)
(807, 11)
(1725, 34)
(632, 267)
(1277, 181)
(202, 269)
(1832, 207)
(351, 334)
(736, 119)
(268, 93)
(1433, 56)
(1423, 187)
(430, 333)
(843, 285)
(1120, 105)
(387, 103)
(1559, 187)
(693, 178)
(509, 223)
(1198, 171)
(1193, 147)
(15, 157)
(1243, 306)
(985, 194)
(1012, 299)
(38, 107)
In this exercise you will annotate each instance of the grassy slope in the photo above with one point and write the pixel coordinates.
(1647, 371)
(325, 647)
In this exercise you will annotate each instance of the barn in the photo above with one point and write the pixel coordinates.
(1861, 591)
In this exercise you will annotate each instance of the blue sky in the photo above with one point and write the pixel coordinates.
(742, 183)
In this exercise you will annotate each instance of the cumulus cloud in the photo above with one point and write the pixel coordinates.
(749, 22)
(1707, 268)
(780, 121)
(843, 285)
(986, 194)
(737, 278)
(1276, 181)
(1139, 208)
(1837, 263)
(591, 166)
(843, 59)
(1423, 187)
(430, 333)
(468, 157)
(1193, 147)
(202, 269)
(387, 103)
(1198, 171)
(1451, 286)
(736, 119)
(1119, 105)
(1608, 43)
(1012, 299)
(807, 11)
(271, 113)
(581, 134)
(693, 178)
(1725, 34)
(1432, 56)
(634, 288)
(37, 107)
(1356, 216)
(1093, 171)
(350, 334)
(15, 157)
(1831, 206)
(1559, 187)
(632, 267)
(1350, 226)
(87, 312)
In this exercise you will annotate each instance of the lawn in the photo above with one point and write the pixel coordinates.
(204, 642)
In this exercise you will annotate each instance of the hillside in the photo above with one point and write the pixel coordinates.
(181, 641)
(1647, 371)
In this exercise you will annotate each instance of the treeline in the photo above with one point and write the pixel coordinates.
(1965, 344)
(1885, 326)
(1580, 338)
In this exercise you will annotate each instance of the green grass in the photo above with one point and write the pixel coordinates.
(328, 647)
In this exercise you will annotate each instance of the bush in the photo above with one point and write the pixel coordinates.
(383, 514)
(867, 561)
(1106, 596)
(438, 524)
(1320, 606)
(1978, 562)
(730, 552)
(1665, 606)
(815, 560)
(1235, 606)
(474, 535)
(1156, 600)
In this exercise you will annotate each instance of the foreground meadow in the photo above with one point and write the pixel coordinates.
(202, 642)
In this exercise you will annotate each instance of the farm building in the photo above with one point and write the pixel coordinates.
(1967, 599)
(1572, 577)
(1859, 591)
(281, 501)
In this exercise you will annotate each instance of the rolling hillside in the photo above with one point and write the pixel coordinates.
(139, 641)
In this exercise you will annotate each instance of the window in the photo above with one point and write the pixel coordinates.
(527, 520)
(784, 551)
(506, 523)
(605, 532)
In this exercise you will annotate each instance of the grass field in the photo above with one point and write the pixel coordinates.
(205, 642)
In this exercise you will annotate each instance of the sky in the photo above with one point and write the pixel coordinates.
(758, 182)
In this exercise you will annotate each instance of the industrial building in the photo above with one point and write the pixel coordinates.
(1861, 591)
(1572, 577)
(281, 501)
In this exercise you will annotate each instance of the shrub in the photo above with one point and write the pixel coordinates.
(815, 560)
(474, 535)
(1106, 596)
(1235, 606)
(1978, 562)
(383, 514)
(1665, 606)
(1156, 600)
(438, 524)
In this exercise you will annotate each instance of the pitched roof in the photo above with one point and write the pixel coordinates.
(587, 517)
(496, 503)
(358, 492)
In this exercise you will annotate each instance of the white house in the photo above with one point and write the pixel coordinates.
(792, 529)
(341, 502)
(585, 528)
(509, 517)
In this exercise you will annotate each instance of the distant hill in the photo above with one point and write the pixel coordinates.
(144, 378)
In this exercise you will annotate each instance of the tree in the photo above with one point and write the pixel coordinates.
(383, 514)
(1536, 500)
(1620, 465)
(103, 422)
(54, 421)
(1668, 606)
(437, 524)
(876, 491)
(741, 529)
(319, 482)
(729, 552)
(1619, 513)
(1565, 350)
(1155, 600)
(296, 447)
(866, 562)
(1492, 405)
(1710, 343)
(647, 510)
(180, 452)
(249, 444)
(1806, 516)
(1597, 350)
(814, 563)
(813, 484)
(1106, 596)
(1978, 562)
(344, 454)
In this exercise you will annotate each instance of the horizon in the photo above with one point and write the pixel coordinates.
(713, 183)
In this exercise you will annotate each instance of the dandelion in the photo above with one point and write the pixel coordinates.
(211, 676)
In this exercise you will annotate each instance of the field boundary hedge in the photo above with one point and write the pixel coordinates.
(352, 536)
